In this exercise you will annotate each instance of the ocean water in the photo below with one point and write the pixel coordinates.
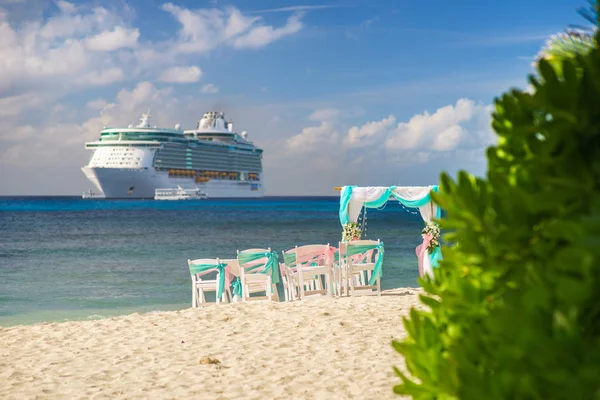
(66, 258)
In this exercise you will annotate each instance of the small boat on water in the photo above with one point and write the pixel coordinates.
(179, 194)
(92, 195)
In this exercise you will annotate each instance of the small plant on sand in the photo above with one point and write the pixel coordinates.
(514, 309)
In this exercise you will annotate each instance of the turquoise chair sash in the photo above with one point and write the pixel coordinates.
(359, 249)
(236, 287)
(271, 267)
(220, 267)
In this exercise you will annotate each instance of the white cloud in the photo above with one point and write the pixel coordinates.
(209, 88)
(20, 133)
(13, 105)
(66, 7)
(297, 8)
(97, 104)
(261, 36)
(206, 29)
(181, 75)
(325, 114)
(369, 133)
(448, 139)
(116, 39)
(443, 129)
(143, 93)
(104, 77)
(313, 138)
(54, 55)
(74, 26)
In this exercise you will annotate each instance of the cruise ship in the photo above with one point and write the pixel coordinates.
(133, 162)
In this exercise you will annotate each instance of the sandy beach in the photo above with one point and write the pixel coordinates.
(321, 348)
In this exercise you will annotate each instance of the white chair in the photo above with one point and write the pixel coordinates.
(309, 270)
(208, 275)
(363, 260)
(257, 269)
(285, 282)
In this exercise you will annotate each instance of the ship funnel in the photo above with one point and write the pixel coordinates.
(230, 126)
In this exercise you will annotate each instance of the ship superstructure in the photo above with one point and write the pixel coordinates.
(132, 162)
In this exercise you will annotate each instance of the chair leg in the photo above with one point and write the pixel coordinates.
(291, 289)
(286, 288)
(224, 297)
(269, 289)
(301, 282)
(275, 292)
(194, 295)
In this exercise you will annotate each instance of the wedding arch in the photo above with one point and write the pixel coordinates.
(354, 198)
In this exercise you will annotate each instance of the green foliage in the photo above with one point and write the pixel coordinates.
(574, 42)
(514, 309)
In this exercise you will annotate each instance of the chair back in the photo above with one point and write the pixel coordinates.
(204, 266)
(314, 255)
(259, 261)
(359, 252)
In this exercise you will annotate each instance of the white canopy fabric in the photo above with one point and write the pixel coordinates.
(365, 194)
(354, 198)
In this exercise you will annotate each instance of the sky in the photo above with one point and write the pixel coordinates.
(361, 92)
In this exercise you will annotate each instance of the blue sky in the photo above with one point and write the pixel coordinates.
(363, 92)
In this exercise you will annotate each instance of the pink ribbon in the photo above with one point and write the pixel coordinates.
(421, 250)
(229, 276)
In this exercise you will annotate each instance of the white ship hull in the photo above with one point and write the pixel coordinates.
(132, 183)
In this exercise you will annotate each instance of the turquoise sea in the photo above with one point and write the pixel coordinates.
(66, 258)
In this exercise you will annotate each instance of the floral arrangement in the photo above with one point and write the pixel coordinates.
(431, 235)
(351, 232)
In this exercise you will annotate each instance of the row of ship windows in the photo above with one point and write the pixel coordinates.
(209, 158)
(210, 148)
(206, 165)
(123, 145)
(219, 162)
(119, 163)
(209, 155)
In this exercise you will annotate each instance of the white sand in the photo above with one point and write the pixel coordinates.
(320, 348)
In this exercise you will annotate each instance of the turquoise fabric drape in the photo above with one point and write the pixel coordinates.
(359, 249)
(236, 287)
(344, 201)
(271, 266)
(220, 267)
(389, 192)
(435, 257)
(289, 258)
(346, 196)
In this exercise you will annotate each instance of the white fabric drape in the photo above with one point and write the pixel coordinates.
(361, 195)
